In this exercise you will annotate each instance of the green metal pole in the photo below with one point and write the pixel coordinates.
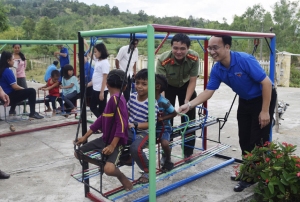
(151, 112)
(124, 30)
(50, 42)
(2, 47)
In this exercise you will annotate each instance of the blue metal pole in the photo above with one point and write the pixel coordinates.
(272, 72)
(187, 180)
(272, 59)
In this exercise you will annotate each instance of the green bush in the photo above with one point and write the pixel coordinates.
(276, 170)
(294, 77)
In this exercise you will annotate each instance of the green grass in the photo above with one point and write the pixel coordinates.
(36, 74)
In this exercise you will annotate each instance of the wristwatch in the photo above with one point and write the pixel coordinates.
(190, 106)
(135, 125)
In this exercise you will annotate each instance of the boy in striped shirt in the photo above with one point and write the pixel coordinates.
(138, 119)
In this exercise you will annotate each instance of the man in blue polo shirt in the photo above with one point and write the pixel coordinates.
(257, 96)
(50, 68)
(63, 57)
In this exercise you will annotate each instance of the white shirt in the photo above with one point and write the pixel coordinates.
(101, 67)
(123, 57)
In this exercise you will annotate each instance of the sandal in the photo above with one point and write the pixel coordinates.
(144, 179)
(168, 165)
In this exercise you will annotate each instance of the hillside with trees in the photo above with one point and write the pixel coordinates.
(62, 19)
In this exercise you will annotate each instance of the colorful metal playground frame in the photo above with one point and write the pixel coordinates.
(150, 36)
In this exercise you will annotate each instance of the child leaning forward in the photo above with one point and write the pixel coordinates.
(113, 126)
(53, 87)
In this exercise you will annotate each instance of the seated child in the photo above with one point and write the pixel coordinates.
(70, 86)
(53, 87)
(116, 135)
(166, 112)
(138, 119)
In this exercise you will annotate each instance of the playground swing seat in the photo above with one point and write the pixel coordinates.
(64, 109)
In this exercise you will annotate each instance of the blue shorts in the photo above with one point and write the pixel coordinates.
(165, 136)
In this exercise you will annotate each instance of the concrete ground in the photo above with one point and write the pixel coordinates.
(40, 163)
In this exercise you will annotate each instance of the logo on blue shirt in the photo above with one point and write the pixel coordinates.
(239, 74)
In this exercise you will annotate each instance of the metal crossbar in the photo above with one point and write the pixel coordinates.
(179, 166)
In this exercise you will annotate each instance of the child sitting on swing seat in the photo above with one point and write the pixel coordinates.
(113, 126)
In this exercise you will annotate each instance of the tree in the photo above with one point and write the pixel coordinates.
(286, 17)
(143, 16)
(115, 11)
(12, 33)
(104, 10)
(45, 30)
(28, 26)
(3, 18)
(254, 18)
(183, 23)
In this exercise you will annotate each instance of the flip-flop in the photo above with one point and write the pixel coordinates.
(144, 179)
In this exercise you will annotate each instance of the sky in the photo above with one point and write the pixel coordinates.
(213, 10)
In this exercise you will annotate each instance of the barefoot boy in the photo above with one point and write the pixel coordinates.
(118, 135)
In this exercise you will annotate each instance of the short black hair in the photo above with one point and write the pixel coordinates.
(226, 39)
(66, 68)
(183, 38)
(102, 49)
(162, 81)
(55, 73)
(55, 62)
(142, 74)
(116, 77)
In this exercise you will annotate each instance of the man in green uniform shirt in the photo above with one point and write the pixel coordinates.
(181, 67)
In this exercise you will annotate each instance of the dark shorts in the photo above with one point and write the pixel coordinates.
(99, 144)
(132, 136)
(165, 136)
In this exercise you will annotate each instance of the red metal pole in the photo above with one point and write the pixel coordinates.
(74, 49)
(38, 129)
(204, 87)
(162, 43)
(94, 198)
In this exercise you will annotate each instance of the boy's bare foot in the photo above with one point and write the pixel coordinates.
(48, 110)
(125, 182)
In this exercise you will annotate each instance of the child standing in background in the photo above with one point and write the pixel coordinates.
(53, 87)
(100, 91)
(20, 65)
(70, 86)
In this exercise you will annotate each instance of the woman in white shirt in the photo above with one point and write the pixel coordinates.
(101, 69)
